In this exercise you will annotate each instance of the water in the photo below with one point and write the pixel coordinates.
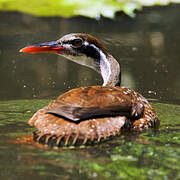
(148, 50)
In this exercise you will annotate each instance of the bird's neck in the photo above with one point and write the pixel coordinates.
(109, 69)
(99, 60)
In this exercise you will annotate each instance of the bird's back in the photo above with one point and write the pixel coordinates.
(95, 112)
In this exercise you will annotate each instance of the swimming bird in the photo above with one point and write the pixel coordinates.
(89, 114)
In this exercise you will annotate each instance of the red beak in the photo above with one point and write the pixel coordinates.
(49, 47)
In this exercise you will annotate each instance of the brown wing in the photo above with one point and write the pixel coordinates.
(91, 102)
(76, 113)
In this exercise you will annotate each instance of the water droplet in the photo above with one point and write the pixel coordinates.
(52, 132)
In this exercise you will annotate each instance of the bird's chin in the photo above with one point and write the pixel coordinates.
(68, 54)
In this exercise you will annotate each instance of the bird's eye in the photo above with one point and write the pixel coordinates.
(77, 42)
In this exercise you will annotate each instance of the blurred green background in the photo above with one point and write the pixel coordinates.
(89, 8)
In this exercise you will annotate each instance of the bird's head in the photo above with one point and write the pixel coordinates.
(83, 49)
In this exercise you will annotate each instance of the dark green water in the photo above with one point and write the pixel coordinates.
(148, 49)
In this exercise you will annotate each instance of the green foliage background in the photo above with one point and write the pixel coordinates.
(89, 8)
